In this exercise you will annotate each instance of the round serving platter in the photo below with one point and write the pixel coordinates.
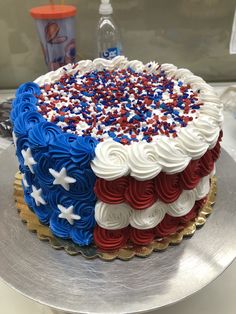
(78, 285)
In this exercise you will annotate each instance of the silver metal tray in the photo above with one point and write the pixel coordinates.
(77, 285)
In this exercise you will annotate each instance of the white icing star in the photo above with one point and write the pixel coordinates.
(62, 178)
(36, 194)
(67, 213)
(26, 185)
(28, 159)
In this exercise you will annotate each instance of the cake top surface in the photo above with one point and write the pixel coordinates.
(167, 115)
(119, 103)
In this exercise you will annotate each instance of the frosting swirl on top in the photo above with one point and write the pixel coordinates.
(111, 161)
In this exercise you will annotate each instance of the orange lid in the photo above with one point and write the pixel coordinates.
(56, 11)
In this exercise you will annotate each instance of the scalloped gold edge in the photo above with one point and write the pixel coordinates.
(43, 232)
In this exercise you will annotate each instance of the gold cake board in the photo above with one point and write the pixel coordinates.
(43, 232)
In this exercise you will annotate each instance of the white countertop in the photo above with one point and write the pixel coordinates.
(217, 298)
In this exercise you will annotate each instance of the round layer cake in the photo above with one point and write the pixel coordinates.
(116, 153)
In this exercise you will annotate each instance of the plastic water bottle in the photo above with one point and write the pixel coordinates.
(108, 36)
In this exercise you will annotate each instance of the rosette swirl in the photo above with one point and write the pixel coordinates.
(167, 187)
(63, 229)
(151, 67)
(169, 225)
(191, 142)
(169, 69)
(148, 218)
(143, 161)
(43, 212)
(208, 129)
(206, 164)
(183, 204)
(140, 194)
(42, 135)
(141, 237)
(29, 87)
(25, 121)
(110, 240)
(111, 161)
(22, 98)
(61, 147)
(41, 169)
(189, 216)
(83, 150)
(83, 187)
(86, 213)
(190, 177)
(22, 107)
(171, 158)
(111, 192)
(202, 188)
(112, 217)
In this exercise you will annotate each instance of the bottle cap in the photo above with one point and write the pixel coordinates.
(53, 11)
(105, 7)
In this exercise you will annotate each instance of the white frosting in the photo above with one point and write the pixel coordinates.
(37, 196)
(67, 213)
(62, 178)
(210, 132)
(143, 161)
(111, 161)
(28, 159)
(192, 142)
(171, 158)
(170, 155)
(112, 216)
(203, 188)
(148, 218)
(152, 67)
(183, 204)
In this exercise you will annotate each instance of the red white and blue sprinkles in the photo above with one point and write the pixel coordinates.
(120, 104)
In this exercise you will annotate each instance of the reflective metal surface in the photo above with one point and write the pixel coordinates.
(77, 285)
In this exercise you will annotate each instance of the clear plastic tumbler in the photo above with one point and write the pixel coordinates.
(56, 29)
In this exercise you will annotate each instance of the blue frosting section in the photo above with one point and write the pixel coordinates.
(83, 150)
(20, 108)
(50, 148)
(22, 98)
(29, 87)
(25, 121)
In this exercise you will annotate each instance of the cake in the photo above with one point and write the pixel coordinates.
(116, 153)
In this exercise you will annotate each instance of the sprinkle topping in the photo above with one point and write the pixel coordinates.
(120, 104)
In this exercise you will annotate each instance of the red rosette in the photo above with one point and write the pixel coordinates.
(140, 194)
(141, 237)
(194, 211)
(169, 225)
(110, 240)
(190, 177)
(167, 187)
(215, 151)
(189, 216)
(111, 192)
(206, 164)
